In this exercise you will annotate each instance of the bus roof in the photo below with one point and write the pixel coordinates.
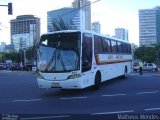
(87, 31)
(62, 31)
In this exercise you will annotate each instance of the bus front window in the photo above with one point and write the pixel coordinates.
(59, 52)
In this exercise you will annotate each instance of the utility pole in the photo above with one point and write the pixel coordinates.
(10, 8)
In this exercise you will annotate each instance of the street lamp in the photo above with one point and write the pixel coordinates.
(23, 57)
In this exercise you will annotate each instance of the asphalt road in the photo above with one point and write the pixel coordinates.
(136, 97)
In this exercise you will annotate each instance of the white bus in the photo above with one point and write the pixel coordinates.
(74, 59)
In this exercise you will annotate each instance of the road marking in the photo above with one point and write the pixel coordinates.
(116, 112)
(114, 95)
(151, 109)
(34, 118)
(147, 92)
(74, 98)
(31, 100)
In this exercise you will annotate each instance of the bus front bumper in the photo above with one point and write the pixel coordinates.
(65, 84)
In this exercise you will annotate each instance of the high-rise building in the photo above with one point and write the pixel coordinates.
(96, 27)
(85, 6)
(25, 31)
(64, 19)
(149, 26)
(121, 33)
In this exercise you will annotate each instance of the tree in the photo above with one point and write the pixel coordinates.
(149, 54)
(29, 53)
(14, 56)
(158, 56)
(1, 57)
(26, 55)
(139, 52)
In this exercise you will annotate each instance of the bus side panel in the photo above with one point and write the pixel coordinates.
(113, 65)
(110, 71)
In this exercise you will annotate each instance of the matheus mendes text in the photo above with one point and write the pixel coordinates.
(139, 117)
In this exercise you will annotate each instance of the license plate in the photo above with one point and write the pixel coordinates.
(55, 85)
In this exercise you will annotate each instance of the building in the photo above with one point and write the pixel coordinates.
(2, 47)
(149, 26)
(85, 6)
(96, 27)
(9, 48)
(6, 48)
(64, 19)
(121, 33)
(25, 31)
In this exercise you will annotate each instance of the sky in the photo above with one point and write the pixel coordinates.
(110, 13)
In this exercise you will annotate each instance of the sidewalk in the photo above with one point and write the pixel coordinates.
(5, 71)
(146, 73)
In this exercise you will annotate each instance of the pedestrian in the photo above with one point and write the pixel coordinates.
(140, 67)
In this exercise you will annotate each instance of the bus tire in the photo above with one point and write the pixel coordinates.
(125, 74)
(97, 81)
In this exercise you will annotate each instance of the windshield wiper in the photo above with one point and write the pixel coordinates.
(53, 56)
(52, 59)
(56, 56)
(61, 60)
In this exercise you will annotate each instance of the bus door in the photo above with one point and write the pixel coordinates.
(87, 55)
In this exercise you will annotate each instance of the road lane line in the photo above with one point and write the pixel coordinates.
(151, 109)
(147, 92)
(31, 100)
(73, 98)
(116, 112)
(35, 118)
(114, 95)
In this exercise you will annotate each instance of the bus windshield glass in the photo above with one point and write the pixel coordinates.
(59, 52)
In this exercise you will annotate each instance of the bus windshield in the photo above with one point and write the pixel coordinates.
(59, 52)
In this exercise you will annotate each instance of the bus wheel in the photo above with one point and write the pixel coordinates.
(97, 81)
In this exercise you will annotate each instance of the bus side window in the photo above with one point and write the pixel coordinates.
(120, 48)
(125, 48)
(129, 48)
(98, 45)
(114, 46)
(107, 46)
(86, 52)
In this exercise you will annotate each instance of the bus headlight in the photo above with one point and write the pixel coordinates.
(74, 76)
